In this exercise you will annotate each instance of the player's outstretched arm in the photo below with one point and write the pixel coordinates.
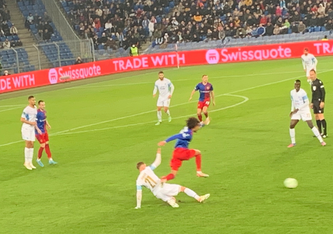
(174, 137)
(158, 159)
(138, 197)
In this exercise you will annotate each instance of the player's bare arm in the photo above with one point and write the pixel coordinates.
(192, 93)
(48, 125)
(213, 97)
(23, 120)
(161, 143)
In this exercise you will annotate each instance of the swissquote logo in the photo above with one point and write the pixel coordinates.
(53, 76)
(212, 56)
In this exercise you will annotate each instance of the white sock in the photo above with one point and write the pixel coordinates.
(292, 135)
(26, 155)
(191, 193)
(168, 112)
(159, 116)
(31, 154)
(317, 134)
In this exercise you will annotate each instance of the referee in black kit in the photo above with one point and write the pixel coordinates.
(318, 102)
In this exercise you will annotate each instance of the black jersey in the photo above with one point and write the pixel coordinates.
(318, 91)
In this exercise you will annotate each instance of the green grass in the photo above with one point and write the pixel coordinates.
(101, 130)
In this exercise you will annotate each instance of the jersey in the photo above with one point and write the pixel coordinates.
(29, 113)
(148, 179)
(299, 100)
(204, 90)
(318, 91)
(309, 61)
(41, 120)
(183, 138)
(164, 87)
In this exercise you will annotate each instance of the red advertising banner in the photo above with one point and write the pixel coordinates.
(183, 58)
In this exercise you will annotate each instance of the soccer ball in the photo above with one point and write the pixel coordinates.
(290, 183)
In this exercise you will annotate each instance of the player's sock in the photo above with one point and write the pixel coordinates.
(206, 114)
(168, 112)
(317, 134)
(198, 162)
(200, 117)
(26, 154)
(159, 116)
(47, 150)
(170, 176)
(40, 153)
(323, 123)
(319, 124)
(292, 135)
(191, 193)
(31, 154)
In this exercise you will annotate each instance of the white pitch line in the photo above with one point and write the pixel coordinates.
(10, 106)
(237, 91)
(136, 124)
(14, 108)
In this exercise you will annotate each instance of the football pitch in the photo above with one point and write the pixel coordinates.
(100, 131)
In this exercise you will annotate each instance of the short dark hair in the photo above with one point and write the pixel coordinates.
(138, 165)
(192, 122)
(40, 101)
(160, 72)
(30, 97)
(297, 81)
(306, 49)
(313, 71)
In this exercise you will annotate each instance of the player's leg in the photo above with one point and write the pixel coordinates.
(27, 155)
(191, 193)
(175, 164)
(323, 122)
(199, 110)
(159, 114)
(191, 153)
(308, 76)
(40, 151)
(292, 133)
(47, 149)
(162, 194)
(166, 109)
(315, 132)
(31, 147)
(205, 108)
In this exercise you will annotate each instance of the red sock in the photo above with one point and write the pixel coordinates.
(170, 176)
(40, 152)
(200, 117)
(206, 114)
(47, 150)
(198, 162)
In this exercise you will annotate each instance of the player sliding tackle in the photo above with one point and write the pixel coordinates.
(167, 192)
(181, 151)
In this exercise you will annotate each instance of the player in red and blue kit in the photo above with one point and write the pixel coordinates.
(181, 151)
(206, 92)
(43, 138)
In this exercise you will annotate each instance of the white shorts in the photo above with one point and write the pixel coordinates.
(308, 71)
(28, 133)
(162, 101)
(168, 191)
(302, 115)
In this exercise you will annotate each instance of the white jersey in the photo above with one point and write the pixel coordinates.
(309, 61)
(164, 87)
(148, 179)
(30, 114)
(299, 100)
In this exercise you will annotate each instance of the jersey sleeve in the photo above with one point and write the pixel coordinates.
(24, 114)
(138, 185)
(174, 137)
(211, 87)
(323, 92)
(197, 87)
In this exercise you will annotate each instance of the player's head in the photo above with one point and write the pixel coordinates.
(32, 100)
(193, 124)
(204, 78)
(306, 51)
(313, 74)
(141, 166)
(161, 75)
(297, 85)
(41, 104)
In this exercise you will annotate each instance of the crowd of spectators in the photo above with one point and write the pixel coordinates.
(122, 23)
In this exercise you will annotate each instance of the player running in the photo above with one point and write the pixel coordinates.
(43, 137)
(28, 118)
(309, 62)
(165, 191)
(165, 89)
(181, 151)
(206, 92)
(318, 102)
(300, 109)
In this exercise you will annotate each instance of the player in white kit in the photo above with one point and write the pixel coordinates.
(29, 125)
(309, 62)
(165, 89)
(300, 109)
(163, 191)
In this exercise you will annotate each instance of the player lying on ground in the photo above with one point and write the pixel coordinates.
(165, 191)
(300, 109)
(181, 151)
